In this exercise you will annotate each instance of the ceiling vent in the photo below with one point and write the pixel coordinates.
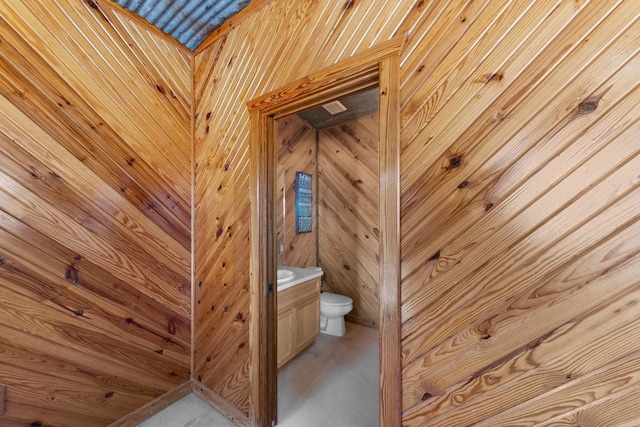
(338, 112)
(334, 107)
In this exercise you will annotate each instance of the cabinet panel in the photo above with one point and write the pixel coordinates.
(307, 322)
(298, 319)
(285, 340)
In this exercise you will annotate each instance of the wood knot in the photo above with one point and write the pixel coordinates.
(161, 89)
(128, 320)
(71, 275)
(109, 395)
(160, 352)
(589, 105)
(495, 77)
(36, 424)
(488, 206)
(79, 312)
(349, 4)
(455, 162)
(346, 267)
(463, 184)
(435, 256)
(1, 261)
(426, 396)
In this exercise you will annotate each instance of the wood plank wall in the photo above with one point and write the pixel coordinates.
(348, 214)
(296, 140)
(95, 213)
(519, 199)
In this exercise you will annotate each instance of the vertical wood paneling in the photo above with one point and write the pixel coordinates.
(95, 217)
(519, 181)
(348, 214)
(296, 141)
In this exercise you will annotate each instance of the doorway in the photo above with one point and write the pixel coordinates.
(377, 67)
(322, 376)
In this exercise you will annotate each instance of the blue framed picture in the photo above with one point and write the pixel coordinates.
(304, 203)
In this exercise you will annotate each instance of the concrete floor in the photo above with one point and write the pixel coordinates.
(332, 384)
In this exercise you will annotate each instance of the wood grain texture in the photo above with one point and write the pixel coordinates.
(348, 214)
(390, 383)
(228, 74)
(358, 73)
(517, 193)
(95, 219)
(296, 140)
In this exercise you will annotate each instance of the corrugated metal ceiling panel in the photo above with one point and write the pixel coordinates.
(187, 21)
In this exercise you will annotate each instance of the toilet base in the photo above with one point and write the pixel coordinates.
(332, 326)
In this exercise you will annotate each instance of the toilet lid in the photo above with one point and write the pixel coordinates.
(335, 299)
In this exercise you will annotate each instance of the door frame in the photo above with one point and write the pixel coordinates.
(377, 67)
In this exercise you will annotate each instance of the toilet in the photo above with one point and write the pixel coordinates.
(333, 308)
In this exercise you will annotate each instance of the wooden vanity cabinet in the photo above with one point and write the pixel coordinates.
(298, 319)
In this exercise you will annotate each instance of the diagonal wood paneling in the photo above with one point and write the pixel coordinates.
(348, 241)
(512, 220)
(95, 119)
(519, 187)
(245, 63)
(297, 153)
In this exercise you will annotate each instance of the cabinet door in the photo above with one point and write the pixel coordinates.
(307, 322)
(285, 336)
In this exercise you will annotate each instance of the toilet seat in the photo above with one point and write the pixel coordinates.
(335, 300)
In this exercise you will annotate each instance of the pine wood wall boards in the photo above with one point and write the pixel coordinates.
(518, 186)
(95, 220)
(296, 140)
(245, 63)
(348, 243)
(375, 67)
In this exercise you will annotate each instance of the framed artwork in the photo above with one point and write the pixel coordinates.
(304, 203)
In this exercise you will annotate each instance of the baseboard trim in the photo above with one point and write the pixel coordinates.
(155, 406)
(221, 404)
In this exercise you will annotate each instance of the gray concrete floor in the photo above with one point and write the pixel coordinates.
(332, 384)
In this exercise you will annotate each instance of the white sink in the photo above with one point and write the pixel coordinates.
(285, 276)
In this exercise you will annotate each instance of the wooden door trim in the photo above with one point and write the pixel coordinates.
(378, 66)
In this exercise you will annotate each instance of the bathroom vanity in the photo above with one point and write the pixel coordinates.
(298, 318)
